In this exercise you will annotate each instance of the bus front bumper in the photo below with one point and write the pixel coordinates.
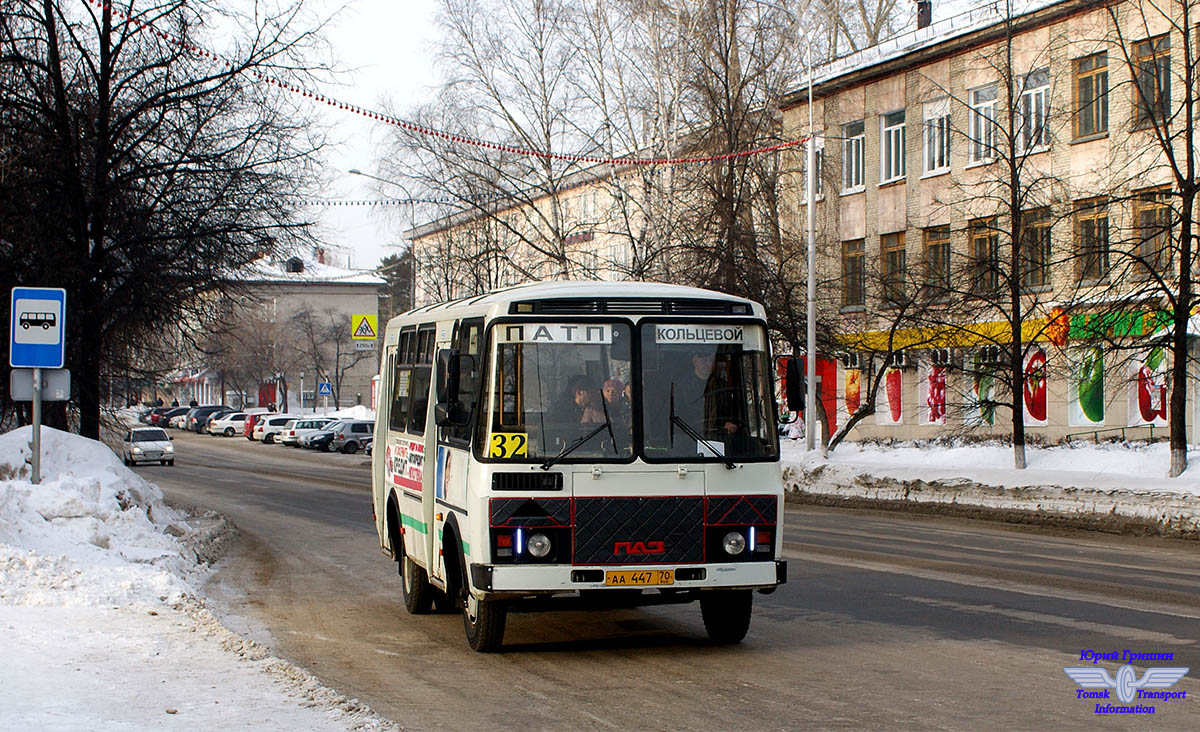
(534, 578)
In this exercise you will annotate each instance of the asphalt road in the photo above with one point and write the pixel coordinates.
(888, 621)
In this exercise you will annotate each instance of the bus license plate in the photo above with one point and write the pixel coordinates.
(639, 577)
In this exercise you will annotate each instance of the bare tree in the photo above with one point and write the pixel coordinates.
(138, 155)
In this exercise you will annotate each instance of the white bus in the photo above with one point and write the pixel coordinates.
(579, 444)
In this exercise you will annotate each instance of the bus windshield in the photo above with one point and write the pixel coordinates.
(562, 388)
(707, 392)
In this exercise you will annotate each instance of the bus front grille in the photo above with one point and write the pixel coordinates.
(639, 530)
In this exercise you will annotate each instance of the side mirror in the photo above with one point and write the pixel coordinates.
(448, 371)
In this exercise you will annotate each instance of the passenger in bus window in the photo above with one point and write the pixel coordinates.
(703, 399)
(616, 401)
(586, 398)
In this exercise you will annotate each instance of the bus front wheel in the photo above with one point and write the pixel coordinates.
(418, 593)
(484, 621)
(726, 614)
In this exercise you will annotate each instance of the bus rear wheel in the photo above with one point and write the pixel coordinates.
(418, 593)
(726, 614)
(484, 621)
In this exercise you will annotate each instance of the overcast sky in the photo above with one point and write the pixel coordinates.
(390, 43)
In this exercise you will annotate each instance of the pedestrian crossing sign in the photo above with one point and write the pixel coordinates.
(364, 326)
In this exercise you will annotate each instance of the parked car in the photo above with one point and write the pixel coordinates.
(164, 419)
(147, 445)
(349, 437)
(154, 417)
(368, 445)
(178, 420)
(302, 426)
(197, 418)
(252, 420)
(226, 424)
(321, 439)
(268, 429)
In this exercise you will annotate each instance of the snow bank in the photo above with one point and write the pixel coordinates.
(102, 626)
(1082, 480)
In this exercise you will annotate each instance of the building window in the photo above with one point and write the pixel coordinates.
(937, 261)
(1091, 95)
(853, 136)
(1152, 77)
(1152, 217)
(937, 136)
(853, 273)
(982, 125)
(892, 147)
(985, 256)
(1033, 111)
(1035, 248)
(1091, 237)
(892, 251)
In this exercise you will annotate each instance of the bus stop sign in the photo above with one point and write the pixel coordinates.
(37, 336)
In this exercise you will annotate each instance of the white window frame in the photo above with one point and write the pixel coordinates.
(853, 148)
(935, 152)
(892, 145)
(981, 128)
(1033, 112)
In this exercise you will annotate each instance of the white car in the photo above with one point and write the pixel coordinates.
(268, 429)
(227, 424)
(177, 421)
(298, 428)
(147, 445)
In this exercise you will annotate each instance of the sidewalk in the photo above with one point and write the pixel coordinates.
(1114, 486)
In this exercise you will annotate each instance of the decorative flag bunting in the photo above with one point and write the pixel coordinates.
(459, 139)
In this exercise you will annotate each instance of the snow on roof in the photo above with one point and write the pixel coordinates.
(311, 271)
(951, 20)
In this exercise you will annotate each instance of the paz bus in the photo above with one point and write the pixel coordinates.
(580, 444)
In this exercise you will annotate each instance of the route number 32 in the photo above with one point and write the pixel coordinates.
(508, 445)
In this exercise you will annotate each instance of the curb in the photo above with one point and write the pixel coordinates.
(1114, 511)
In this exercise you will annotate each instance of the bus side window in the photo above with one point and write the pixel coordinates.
(401, 383)
(422, 369)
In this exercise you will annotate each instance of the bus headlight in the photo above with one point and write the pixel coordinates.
(539, 546)
(734, 543)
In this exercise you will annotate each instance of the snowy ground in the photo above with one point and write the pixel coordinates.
(1084, 479)
(101, 623)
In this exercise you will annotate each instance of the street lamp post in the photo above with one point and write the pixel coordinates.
(810, 346)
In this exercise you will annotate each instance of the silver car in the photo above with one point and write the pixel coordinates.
(147, 445)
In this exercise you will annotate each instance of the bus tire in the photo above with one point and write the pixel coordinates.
(484, 622)
(726, 614)
(418, 593)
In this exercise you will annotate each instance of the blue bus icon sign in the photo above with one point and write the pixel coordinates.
(37, 338)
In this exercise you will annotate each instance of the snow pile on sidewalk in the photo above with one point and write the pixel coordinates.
(1107, 481)
(101, 624)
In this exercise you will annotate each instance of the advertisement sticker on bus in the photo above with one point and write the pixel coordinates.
(577, 333)
(405, 463)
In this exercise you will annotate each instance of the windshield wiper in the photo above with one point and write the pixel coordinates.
(692, 433)
(574, 446)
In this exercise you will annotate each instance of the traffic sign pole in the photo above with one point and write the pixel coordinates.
(36, 444)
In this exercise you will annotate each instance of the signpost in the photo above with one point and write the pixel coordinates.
(325, 389)
(37, 329)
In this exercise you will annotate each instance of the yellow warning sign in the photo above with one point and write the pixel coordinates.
(364, 327)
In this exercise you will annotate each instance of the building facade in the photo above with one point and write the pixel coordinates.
(989, 155)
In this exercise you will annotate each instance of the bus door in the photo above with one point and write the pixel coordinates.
(452, 458)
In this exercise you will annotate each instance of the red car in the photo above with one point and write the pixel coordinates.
(251, 420)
